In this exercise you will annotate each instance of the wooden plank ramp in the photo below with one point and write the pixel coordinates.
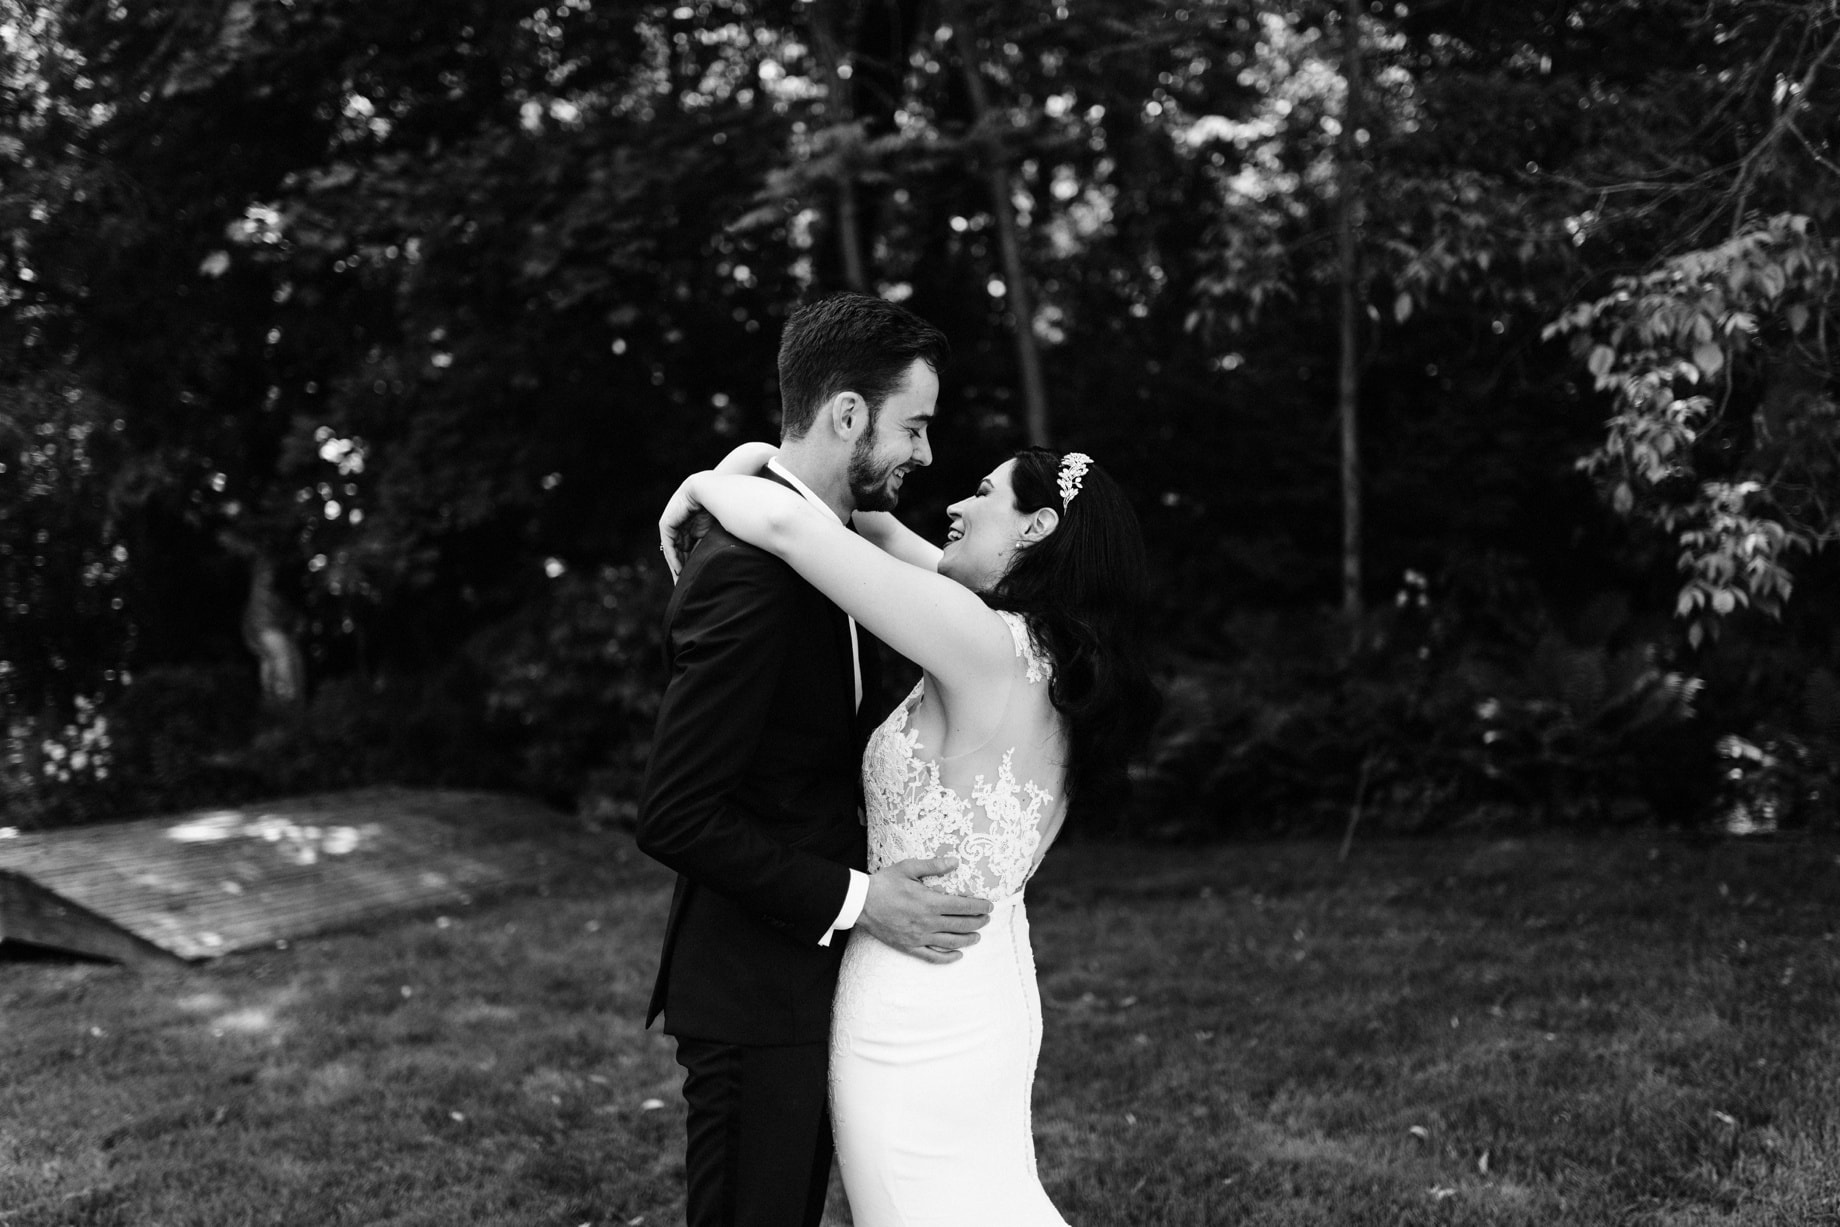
(205, 883)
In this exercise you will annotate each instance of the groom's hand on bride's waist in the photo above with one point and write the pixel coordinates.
(900, 911)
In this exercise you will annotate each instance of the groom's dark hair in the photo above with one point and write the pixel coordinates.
(849, 343)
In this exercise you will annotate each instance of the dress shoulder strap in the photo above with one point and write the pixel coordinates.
(1040, 668)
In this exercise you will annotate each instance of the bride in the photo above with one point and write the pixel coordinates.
(1034, 688)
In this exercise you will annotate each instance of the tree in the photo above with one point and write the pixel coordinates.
(1348, 384)
(1741, 485)
(407, 315)
(380, 245)
(988, 150)
(1724, 433)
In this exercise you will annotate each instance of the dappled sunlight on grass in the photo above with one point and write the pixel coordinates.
(252, 1021)
(251, 1013)
(201, 1003)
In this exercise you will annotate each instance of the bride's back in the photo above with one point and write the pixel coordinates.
(985, 783)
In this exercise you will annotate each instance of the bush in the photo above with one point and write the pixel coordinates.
(1418, 724)
(177, 733)
(1295, 729)
(168, 740)
(184, 736)
(574, 683)
(1781, 769)
(415, 730)
(558, 701)
(54, 771)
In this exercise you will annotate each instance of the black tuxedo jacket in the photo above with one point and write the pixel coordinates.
(753, 796)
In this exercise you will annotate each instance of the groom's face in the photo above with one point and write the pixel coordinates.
(896, 443)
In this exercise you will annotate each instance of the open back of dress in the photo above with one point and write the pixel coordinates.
(932, 1064)
(993, 805)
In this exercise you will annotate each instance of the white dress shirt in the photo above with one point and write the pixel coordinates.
(859, 881)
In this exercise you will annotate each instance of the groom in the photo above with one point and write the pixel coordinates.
(753, 792)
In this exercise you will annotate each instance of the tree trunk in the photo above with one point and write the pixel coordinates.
(849, 227)
(269, 634)
(840, 111)
(1009, 239)
(883, 36)
(269, 628)
(1349, 384)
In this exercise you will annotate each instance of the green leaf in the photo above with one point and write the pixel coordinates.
(1708, 357)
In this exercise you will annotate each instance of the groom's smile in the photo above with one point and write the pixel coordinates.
(896, 443)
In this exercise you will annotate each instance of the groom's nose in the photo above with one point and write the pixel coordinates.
(923, 452)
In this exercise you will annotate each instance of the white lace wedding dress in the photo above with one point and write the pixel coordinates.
(932, 1064)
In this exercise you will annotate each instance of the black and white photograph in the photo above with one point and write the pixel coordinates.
(907, 613)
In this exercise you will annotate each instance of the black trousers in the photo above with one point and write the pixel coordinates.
(759, 1152)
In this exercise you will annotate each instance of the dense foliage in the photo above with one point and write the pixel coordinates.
(364, 340)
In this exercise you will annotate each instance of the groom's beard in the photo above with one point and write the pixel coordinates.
(874, 487)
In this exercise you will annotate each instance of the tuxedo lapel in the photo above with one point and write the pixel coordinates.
(873, 701)
(855, 659)
(871, 653)
(840, 626)
(840, 632)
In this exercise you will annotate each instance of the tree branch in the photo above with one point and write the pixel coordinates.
(1747, 170)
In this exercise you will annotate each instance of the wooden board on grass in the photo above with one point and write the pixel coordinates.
(209, 882)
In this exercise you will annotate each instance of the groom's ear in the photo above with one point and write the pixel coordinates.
(848, 414)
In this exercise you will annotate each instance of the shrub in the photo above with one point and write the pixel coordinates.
(54, 771)
(1782, 771)
(419, 730)
(183, 736)
(1565, 732)
(1419, 724)
(558, 701)
(1295, 729)
(574, 682)
(177, 733)
(168, 740)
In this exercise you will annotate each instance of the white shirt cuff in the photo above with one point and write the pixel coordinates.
(852, 905)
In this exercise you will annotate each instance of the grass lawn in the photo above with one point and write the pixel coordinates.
(1548, 1031)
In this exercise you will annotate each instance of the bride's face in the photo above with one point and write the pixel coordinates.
(986, 529)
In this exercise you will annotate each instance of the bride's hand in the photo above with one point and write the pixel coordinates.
(681, 526)
(684, 521)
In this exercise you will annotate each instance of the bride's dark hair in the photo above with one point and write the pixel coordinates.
(1084, 589)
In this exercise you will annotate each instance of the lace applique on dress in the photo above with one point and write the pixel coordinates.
(994, 831)
(1025, 646)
